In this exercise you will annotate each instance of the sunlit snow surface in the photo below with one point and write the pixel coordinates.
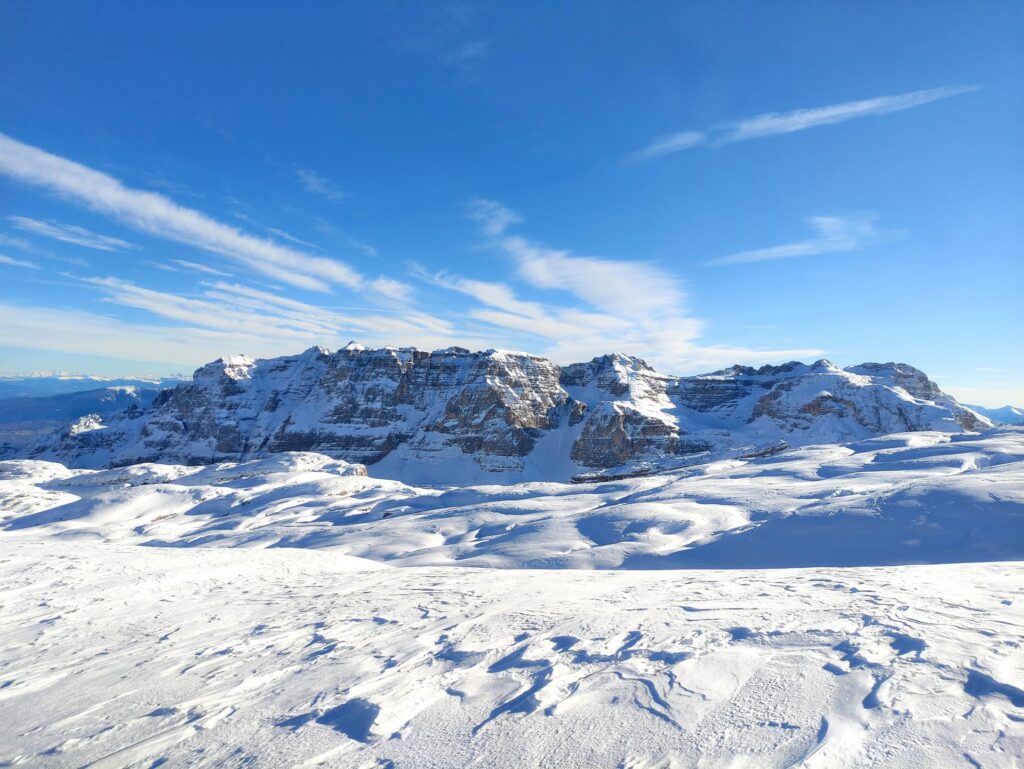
(155, 615)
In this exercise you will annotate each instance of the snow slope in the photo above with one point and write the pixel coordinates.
(250, 614)
(275, 658)
(908, 498)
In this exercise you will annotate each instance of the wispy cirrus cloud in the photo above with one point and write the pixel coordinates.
(492, 216)
(598, 305)
(155, 214)
(396, 290)
(326, 228)
(669, 143)
(504, 309)
(446, 32)
(277, 233)
(833, 234)
(586, 306)
(204, 268)
(12, 262)
(315, 184)
(28, 247)
(19, 243)
(69, 233)
(220, 318)
(604, 283)
(776, 123)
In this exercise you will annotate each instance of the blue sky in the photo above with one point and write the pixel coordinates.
(698, 184)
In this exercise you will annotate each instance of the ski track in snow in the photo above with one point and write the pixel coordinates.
(151, 616)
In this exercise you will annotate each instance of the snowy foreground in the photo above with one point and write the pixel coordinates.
(251, 614)
(274, 658)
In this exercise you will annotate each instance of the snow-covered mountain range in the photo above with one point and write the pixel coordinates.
(1006, 415)
(455, 416)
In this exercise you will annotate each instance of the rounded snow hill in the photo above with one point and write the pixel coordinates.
(922, 497)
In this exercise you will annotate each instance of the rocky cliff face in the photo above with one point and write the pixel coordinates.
(456, 416)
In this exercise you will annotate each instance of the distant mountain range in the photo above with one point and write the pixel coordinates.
(25, 420)
(1006, 415)
(455, 416)
(52, 383)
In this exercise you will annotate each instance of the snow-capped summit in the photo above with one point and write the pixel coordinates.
(232, 367)
(453, 415)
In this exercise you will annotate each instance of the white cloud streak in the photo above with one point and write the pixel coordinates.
(157, 215)
(291, 238)
(393, 289)
(636, 287)
(11, 262)
(70, 233)
(223, 318)
(669, 143)
(203, 268)
(622, 306)
(776, 123)
(835, 234)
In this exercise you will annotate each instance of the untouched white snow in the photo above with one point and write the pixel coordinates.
(248, 614)
(274, 658)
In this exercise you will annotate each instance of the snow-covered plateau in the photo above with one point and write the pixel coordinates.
(851, 605)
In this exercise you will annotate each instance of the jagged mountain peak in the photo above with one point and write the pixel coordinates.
(230, 366)
(623, 361)
(793, 367)
(891, 367)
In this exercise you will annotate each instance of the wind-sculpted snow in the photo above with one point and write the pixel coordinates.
(120, 657)
(455, 416)
(248, 614)
(910, 498)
